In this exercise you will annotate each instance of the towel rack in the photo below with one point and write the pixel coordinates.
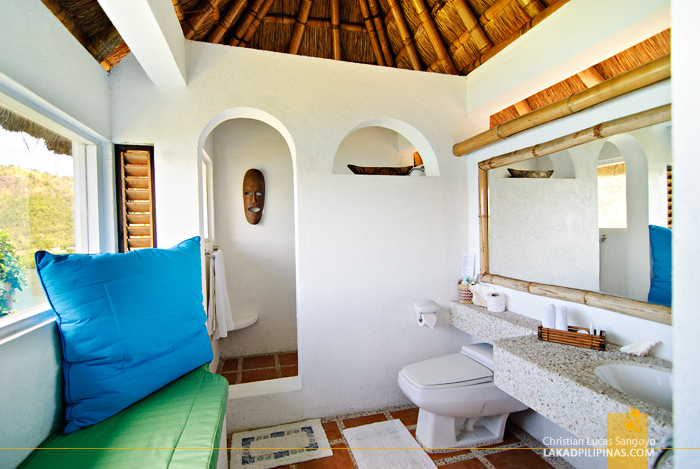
(208, 253)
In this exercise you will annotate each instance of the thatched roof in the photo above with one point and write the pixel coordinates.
(16, 123)
(444, 36)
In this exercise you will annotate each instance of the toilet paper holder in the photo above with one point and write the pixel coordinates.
(423, 307)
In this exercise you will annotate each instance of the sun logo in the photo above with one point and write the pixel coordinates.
(633, 420)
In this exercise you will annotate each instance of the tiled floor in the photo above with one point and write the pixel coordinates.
(513, 453)
(251, 368)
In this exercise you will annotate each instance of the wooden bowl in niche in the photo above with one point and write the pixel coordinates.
(518, 173)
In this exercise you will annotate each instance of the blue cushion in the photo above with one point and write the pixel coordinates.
(129, 324)
(662, 271)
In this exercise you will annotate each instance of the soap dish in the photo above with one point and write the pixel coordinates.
(572, 337)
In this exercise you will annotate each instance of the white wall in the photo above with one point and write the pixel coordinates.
(685, 37)
(367, 247)
(260, 267)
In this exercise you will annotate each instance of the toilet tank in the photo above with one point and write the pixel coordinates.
(480, 353)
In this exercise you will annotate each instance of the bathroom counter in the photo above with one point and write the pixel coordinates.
(488, 326)
(558, 382)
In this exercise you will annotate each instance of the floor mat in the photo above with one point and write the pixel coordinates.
(278, 446)
(387, 445)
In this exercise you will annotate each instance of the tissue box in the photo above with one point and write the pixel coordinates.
(465, 295)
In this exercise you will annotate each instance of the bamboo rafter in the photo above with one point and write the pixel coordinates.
(493, 10)
(206, 9)
(590, 77)
(255, 23)
(531, 8)
(405, 34)
(233, 12)
(244, 22)
(522, 107)
(300, 26)
(649, 73)
(474, 29)
(314, 23)
(434, 36)
(369, 25)
(178, 10)
(380, 27)
(335, 25)
(640, 309)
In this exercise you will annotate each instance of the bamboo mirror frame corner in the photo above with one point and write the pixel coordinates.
(635, 308)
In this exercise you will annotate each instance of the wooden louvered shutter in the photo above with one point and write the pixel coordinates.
(669, 182)
(136, 198)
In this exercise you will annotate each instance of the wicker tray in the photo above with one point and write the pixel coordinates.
(572, 337)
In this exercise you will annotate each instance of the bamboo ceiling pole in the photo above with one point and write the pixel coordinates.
(434, 36)
(369, 25)
(590, 77)
(257, 19)
(335, 32)
(522, 107)
(381, 32)
(313, 22)
(405, 34)
(639, 77)
(484, 220)
(531, 8)
(471, 22)
(178, 10)
(67, 20)
(298, 34)
(493, 10)
(244, 22)
(606, 129)
(509, 40)
(206, 8)
(227, 21)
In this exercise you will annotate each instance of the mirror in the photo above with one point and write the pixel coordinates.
(584, 231)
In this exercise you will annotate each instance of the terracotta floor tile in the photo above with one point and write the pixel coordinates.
(288, 371)
(518, 459)
(436, 456)
(230, 364)
(262, 361)
(357, 421)
(259, 375)
(340, 460)
(508, 439)
(408, 417)
(231, 377)
(332, 431)
(288, 358)
(468, 464)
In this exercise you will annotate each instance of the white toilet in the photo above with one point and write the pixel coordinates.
(459, 405)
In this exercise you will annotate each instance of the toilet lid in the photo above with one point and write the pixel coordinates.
(450, 370)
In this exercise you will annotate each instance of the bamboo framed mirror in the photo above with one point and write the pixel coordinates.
(573, 145)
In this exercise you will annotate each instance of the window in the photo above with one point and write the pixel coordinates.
(136, 216)
(43, 205)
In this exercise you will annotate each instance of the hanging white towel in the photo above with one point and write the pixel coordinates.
(219, 319)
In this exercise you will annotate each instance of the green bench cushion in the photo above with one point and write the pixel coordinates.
(176, 427)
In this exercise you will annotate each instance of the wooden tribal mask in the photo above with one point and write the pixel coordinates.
(253, 195)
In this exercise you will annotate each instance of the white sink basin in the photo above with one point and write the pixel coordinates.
(646, 384)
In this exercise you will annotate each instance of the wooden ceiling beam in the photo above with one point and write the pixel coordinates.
(381, 32)
(205, 9)
(314, 23)
(244, 22)
(590, 77)
(255, 23)
(474, 29)
(178, 10)
(405, 33)
(298, 34)
(234, 11)
(369, 25)
(435, 37)
(335, 25)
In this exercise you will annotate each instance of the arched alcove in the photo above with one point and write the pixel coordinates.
(259, 258)
(384, 142)
(560, 162)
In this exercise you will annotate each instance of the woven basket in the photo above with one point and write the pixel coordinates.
(465, 295)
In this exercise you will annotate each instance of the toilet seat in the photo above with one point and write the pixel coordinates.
(456, 370)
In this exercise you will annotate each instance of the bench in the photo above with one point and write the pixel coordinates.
(180, 426)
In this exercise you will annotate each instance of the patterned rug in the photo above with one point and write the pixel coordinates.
(278, 446)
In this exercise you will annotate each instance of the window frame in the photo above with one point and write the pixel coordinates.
(92, 225)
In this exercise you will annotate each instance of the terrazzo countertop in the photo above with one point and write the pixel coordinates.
(558, 382)
(490, 327)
